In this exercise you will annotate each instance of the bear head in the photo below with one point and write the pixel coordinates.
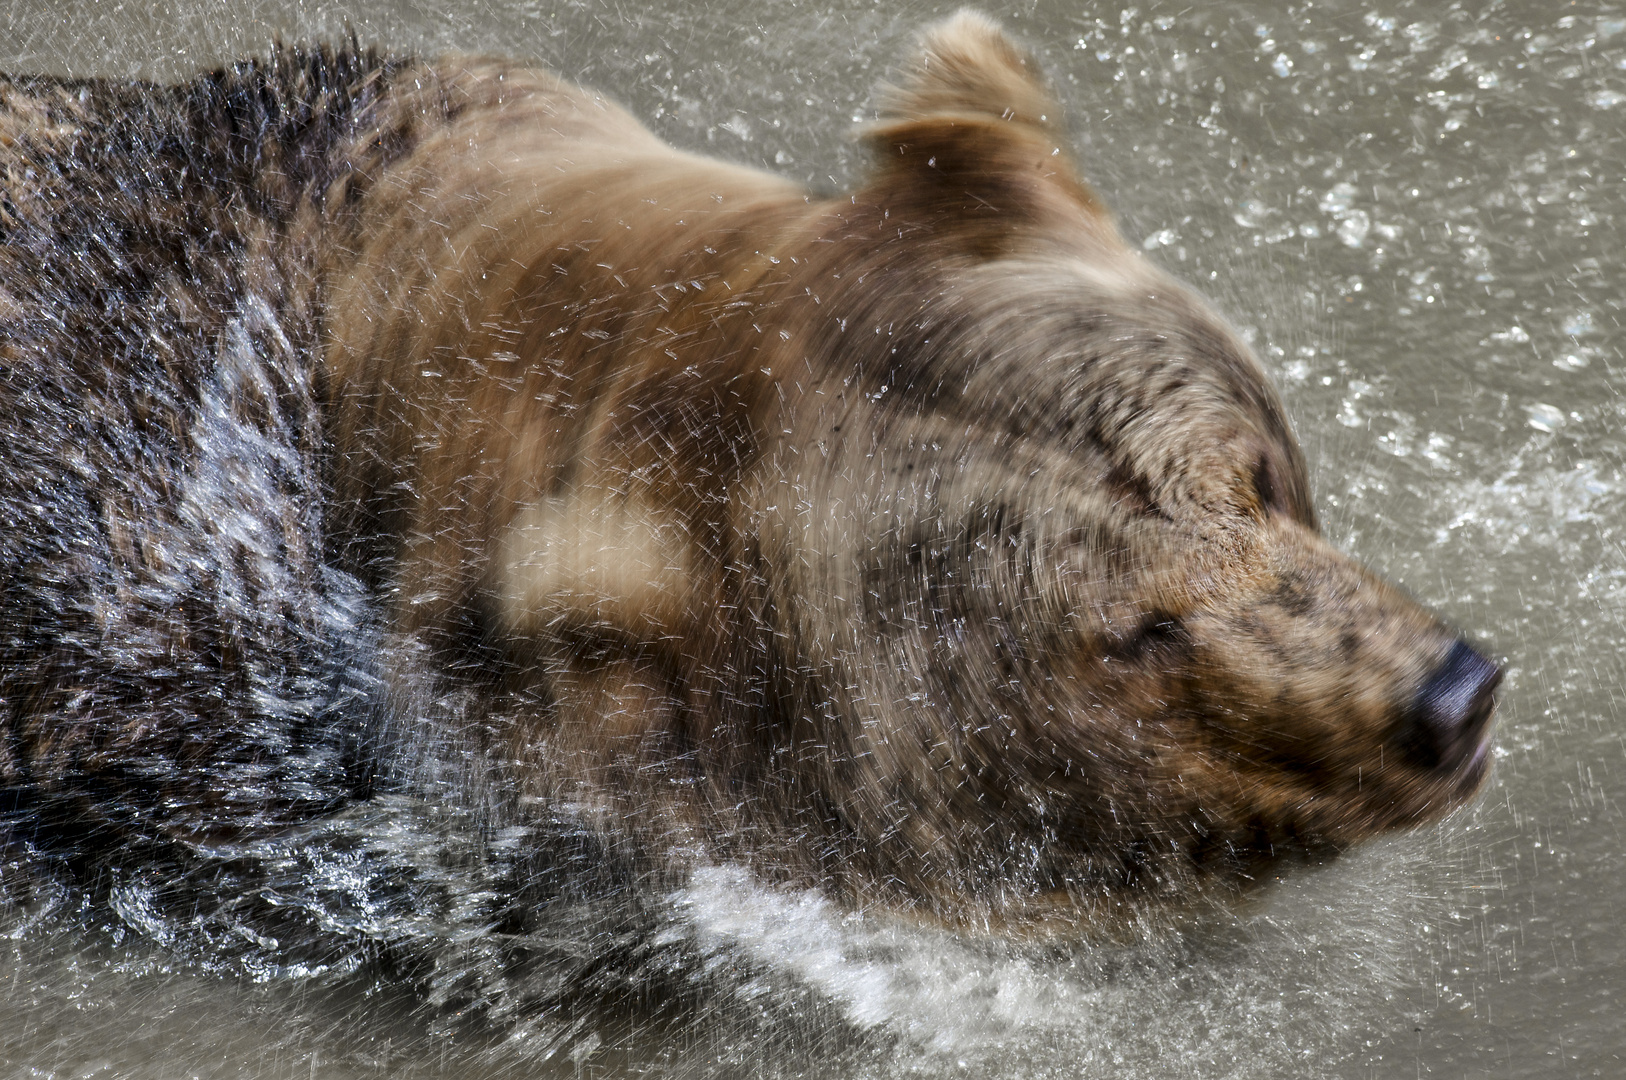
(1064, 623)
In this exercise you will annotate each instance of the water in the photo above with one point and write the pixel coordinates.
(1414, 212)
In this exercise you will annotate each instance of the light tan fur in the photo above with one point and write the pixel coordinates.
(925, 540)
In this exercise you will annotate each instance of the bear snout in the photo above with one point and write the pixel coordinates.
(1444, 727)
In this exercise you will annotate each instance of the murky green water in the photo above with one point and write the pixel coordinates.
(1415, 211)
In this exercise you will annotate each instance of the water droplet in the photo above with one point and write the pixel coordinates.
(1337, 200)
(1545, 417)
(1353, 229)
(1579, 324)
(1251, 213)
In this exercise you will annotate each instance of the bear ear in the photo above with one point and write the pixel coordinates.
(967, 69)
(973, 123)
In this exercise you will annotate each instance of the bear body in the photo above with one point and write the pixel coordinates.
(924, 544)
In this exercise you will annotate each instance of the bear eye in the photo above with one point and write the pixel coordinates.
(1157, 634)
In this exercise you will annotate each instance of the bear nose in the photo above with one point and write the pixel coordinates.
(1452, 707)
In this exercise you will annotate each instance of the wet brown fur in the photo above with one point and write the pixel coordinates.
(925, 541)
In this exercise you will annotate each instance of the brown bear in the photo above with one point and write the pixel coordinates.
(925, 543)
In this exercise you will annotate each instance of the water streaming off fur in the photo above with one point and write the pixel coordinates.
(1414, 212)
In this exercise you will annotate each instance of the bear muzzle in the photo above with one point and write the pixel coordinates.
(1445, 726)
